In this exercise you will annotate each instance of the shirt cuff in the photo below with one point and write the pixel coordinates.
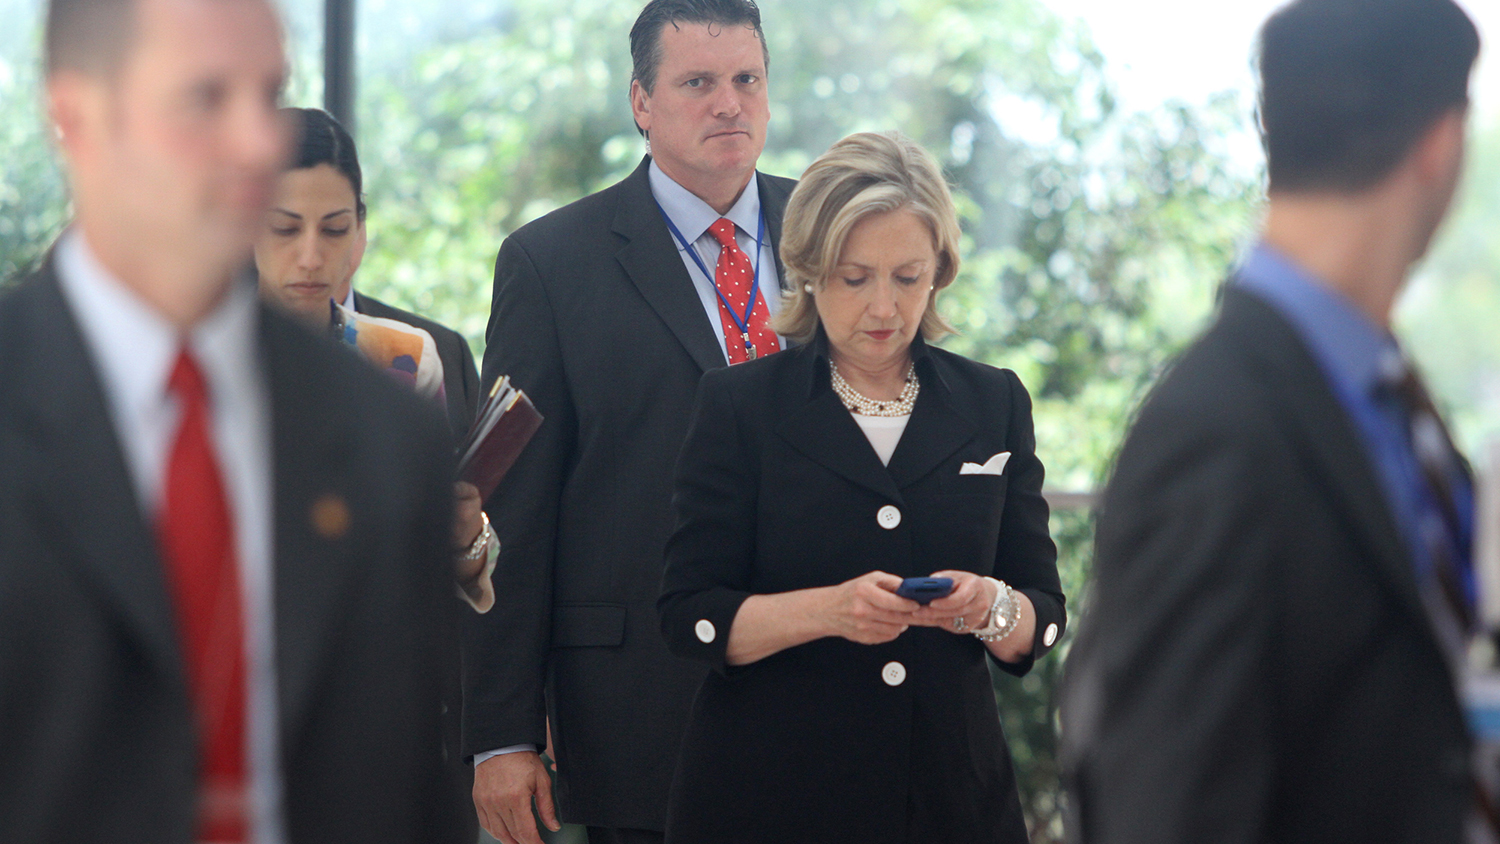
(491, 754)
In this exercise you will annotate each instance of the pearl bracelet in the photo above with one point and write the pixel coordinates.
(1005, 614)
(480, 545)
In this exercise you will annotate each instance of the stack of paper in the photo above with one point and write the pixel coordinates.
(504, 425)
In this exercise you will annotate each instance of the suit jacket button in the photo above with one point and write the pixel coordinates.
(894, 674)
(705, 630)
(1049, 636)
(888, 517)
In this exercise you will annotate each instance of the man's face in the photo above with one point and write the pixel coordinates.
(707, 115)
(177, 152)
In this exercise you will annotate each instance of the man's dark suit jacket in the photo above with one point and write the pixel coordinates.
(461, 390)
(97, 738)
(779, 490)
(460, 378)
(1257, 664)
(594, 317)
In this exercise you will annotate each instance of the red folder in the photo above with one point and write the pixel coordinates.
(505, 423)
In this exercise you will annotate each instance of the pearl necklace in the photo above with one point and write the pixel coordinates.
(864, 406)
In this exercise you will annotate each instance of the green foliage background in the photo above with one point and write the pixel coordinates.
(1095, 239)
(32, 198)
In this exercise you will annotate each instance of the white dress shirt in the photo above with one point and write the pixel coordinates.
(133, 349)
(883, 432)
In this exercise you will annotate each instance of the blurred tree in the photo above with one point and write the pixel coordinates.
(1448, 316)
(33, 202)
(1071, 210)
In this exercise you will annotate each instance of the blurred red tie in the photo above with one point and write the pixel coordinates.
(197, 544)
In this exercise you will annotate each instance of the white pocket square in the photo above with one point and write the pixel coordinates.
(993, 466)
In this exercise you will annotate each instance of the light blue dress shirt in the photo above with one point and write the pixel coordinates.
(1351, 350)
(693, 216)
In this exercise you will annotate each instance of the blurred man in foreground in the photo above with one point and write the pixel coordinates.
(224, 576)
(1278, 643)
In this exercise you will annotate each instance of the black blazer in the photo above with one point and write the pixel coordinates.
(1257, 664)
(460, 378)
(594, 317)
(98, 736)
(778, 489)
(461, 390)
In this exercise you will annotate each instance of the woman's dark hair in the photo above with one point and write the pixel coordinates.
(323, 140)
(1349, 86)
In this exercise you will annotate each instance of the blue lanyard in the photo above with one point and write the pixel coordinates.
(742, 323)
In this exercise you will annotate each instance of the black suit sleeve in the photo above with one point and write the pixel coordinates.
(710, 554)
(450, 816)
(1026, 557)
(506, 649)
(466, 403)
(1168, 712)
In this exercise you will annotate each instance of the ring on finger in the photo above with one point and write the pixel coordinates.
(959, 624)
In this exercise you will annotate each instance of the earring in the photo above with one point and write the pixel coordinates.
(807, 287)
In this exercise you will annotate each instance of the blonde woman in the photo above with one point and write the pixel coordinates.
(811, 485)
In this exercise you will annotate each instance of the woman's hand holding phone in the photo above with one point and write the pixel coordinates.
(964, 609)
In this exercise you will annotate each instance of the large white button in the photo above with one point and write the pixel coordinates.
(1049, 636)
(894, 674)
(706, 632)
(888, 517)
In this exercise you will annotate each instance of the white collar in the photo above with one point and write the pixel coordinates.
(134, 347)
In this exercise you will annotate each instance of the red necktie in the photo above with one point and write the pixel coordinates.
(197, 544)
(735, 278)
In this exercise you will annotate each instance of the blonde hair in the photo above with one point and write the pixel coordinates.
(862, 175)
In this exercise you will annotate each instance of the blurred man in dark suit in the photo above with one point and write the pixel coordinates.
(607, 312)
(225, 571)
(1284, 600)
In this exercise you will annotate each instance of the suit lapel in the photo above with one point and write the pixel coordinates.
(1333, 447)
(817, 424)
(314, 516)
(935, 431)
(89, 500)
(773, 197)
(650, 259)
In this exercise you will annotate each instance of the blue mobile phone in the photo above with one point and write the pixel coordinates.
(925, 589)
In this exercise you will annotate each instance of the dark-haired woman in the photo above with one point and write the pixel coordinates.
(312, 244)
(306, 256)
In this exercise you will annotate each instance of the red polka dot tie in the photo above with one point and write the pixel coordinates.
(734, 276)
